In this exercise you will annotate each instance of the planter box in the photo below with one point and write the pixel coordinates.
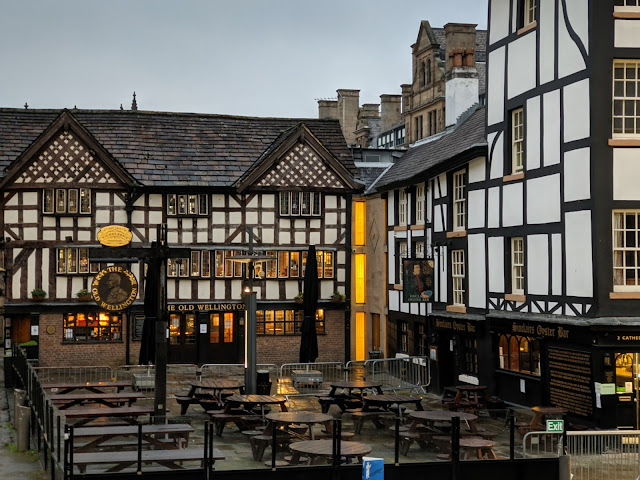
(312, 378)
(144, 381)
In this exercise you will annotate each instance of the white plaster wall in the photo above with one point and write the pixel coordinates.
(391, 201)
(626, 173)
(496, 167)
(556, 264)
(495, 87)
(570, 58)
(627, 34)
(493, 206)
(495, 264)
(551, 150)
(204, 290)
(577, 118)
(512, 203)
(437, 218)
(532, 135)
(499, 21)
(442, 266)
(476, 209)
(477, 170)
(577, 175)
(537, 260)
(331, 201)
(11, 216)
(31, 279)
(442, 185)
(543, 199)
(219, 289)
(521, 71)
(547, 41)
(477, 271)
(391, 255)
(579, 273)
(460, 94)
(272, 290)
(394, 300)
(578, 13)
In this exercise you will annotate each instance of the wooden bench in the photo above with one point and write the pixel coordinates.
(359, 418)
(259, 443)
(242, 420)
(184, 401)
(124, 459)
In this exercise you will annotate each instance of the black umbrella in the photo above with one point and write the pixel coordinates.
(309, 339)
(151, 286)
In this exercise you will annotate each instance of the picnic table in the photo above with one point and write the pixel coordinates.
(171, 459)
(114, 399)
(429, 417)
(476, 447)
(303, 418)
(323, 449)
(384, 402)
(178, 431)
(249, 402)
(541, 414)
(128, 414)
(95, 387)
(472, 397)
(348, 394)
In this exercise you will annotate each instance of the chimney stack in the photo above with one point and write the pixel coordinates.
(348, 107)
(390, 115)
(328, 109)
(461, 75)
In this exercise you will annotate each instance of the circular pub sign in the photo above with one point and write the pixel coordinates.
(114, 288)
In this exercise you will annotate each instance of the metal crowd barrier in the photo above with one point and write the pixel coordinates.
(412, 373)
(142, 377)
(90, 374)
(610, 454)
(308, 378)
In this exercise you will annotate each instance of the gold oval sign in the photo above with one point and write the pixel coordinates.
(114, 236)
(114, 288)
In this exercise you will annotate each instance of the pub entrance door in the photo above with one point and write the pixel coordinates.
(182, 338)
(224, 341)
(627, 385)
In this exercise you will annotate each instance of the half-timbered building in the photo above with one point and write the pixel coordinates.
(68, 174)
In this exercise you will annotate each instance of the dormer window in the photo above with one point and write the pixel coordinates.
(70, 201)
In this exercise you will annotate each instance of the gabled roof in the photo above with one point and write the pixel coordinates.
(160, 149)
(436, 152)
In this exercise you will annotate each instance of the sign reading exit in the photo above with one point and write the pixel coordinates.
(555, 426)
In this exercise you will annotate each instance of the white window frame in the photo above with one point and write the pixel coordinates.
(300, 204)
(625, 255)
(459, 202)
(457, 277)
(625, 105)
(402, 207)
(403, 252)
(189, 205)
(530, 7)
(419, 249)
(420, 197)
(628, 8)
(517, 140)
(517, 265)
(81, 199)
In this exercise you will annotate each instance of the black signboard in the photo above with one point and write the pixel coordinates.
(417, 280)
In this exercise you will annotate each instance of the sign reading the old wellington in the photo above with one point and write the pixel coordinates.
(114, 288)
(114, 236)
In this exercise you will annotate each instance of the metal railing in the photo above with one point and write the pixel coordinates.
(604, 454)
(413, 373)
(541, 444)
(91, 374)
(308, 378)
(142, 377)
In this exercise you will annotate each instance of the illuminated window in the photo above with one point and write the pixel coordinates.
(187, 205)
(75, 260)
(360, 260)
(359, 223)
(360, 336)
(285, 322)
(214, 328)
(519, 354)
(228, 328)
(92, 327)
(68, 201)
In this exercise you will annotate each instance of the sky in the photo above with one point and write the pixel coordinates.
(265, 58)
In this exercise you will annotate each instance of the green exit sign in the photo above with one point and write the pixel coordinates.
(555, 426)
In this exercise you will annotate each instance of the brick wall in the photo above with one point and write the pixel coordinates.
(284, 349)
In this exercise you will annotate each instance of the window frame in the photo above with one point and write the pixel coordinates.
(187, 204)
(78, 255)
(625, 98)
(420, 203)
(403, 200)
(459, 201)
(621, 254)
(517, 140)
(304, 203)
(517, 265)
(285, 322)
(458, 274)
(66, 201)
(106, 326)
(512, 358)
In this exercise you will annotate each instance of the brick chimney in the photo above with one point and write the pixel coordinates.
(348, 107)
(390, 115)
(461, 75)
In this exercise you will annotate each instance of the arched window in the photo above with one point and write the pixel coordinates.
(519, 354)
(514, 354)
(429, 79)
(423, 74)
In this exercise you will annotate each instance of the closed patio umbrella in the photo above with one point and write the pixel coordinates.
(309, 338)
(151, 286)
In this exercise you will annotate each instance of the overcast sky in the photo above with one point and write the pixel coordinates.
(270, 58)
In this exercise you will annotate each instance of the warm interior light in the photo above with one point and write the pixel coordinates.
(247, 289)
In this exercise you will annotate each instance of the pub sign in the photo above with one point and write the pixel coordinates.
(417, 280)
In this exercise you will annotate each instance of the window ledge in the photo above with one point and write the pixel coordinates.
(461, 233)
(624, 142)
(515, 297)
(624, 295)
(419, 226)
(513, 177)
(627, 15)
(456, 308)
(397, 286)
(400, 228)
(527, 28)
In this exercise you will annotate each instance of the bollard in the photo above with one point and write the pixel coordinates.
(19, 397)
(22, 428)
(565, 467)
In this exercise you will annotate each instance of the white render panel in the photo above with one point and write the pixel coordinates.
(326, 288)
(283, 238)
(31, 282)
(233, 203)
(48, 235)
(268, 235)
(537, 259)
(442, 276)
(437, 218)
(627, 34)
(30, 198)
(496, 165)
(272, 290)
(236, 288)
(102, 198)
(172, 237)
(330, 201)
(291, 288)
(15, 279)
(331, 218)
(576, 111)
(556, 264)
(204, 289)
(29, 216)
(547, 41)
(391, 200)
(551, 132)
(268, 218)
(137, 217)
(218, 235)
(314, 238)
(202, 237)
(578, 13)
(477, 170)
(155, 218)
(66, 222)
(476, 209)
(330, 236)
(394, 300)
(120, 217)
(341, 275)
(577, 175)
(571, 60)
(253, 202)
(499, 20)
(268, 201)
(579, 259)
(184, 289)
(61, 288)
(300, 237)
(493, 207)
(187, 237)
(10, 216)
(315, 223)
(252, 218)
(155, 200)
(441, 185)
(532, 135)
(219, 289)
(495, 86)
(626, 173)
(391, 254)
(495, 264)
(30, 233)
(84, 236)
(521, 65)
(12, 202)
(102, 216)
(543, 199)
(477, 271)
(512, 203)
(235, 218)
(404, 307)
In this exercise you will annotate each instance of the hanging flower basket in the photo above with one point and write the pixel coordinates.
(299, 299)
(37, 294)
(84, 295)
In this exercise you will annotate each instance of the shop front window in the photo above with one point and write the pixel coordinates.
(519, 354)
(92, 327)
